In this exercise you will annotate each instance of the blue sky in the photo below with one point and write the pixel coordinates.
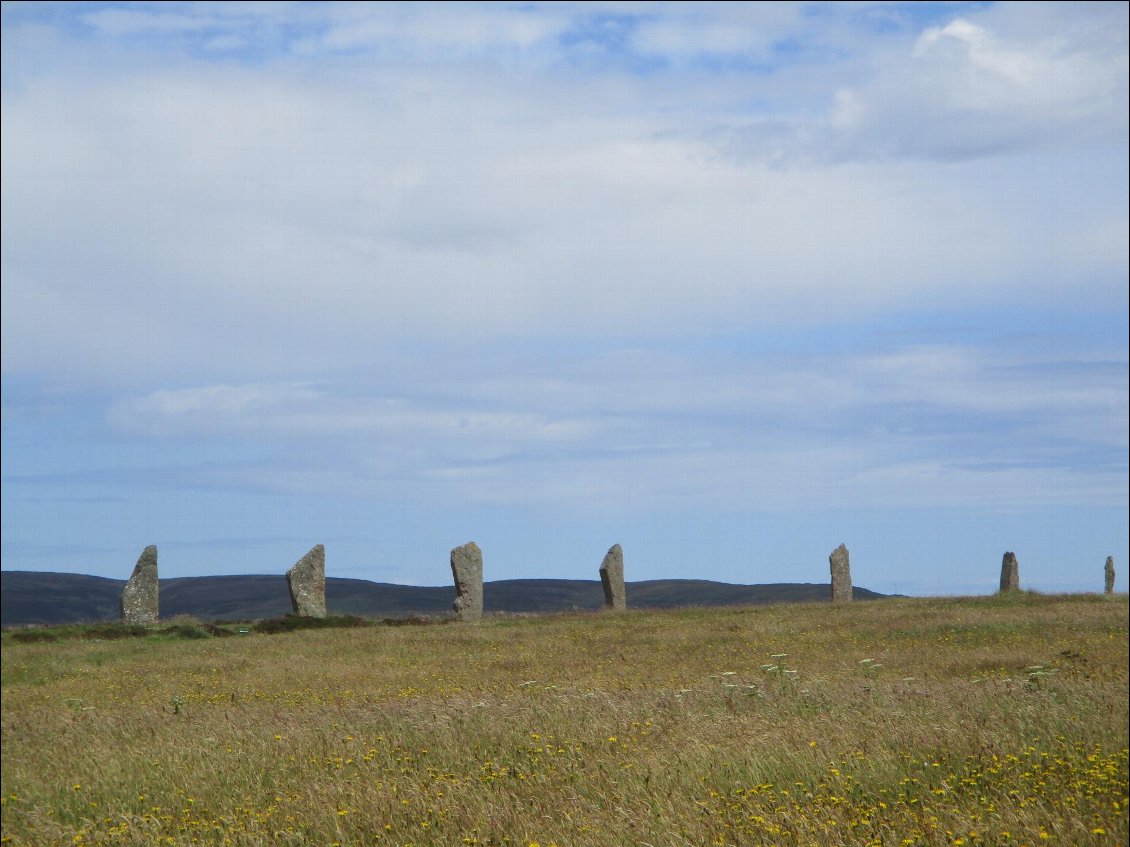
(726, 284)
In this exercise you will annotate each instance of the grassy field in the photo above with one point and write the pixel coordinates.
(986, 721)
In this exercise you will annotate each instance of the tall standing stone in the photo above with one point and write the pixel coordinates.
(307, 583)
(612, 578)
(139, 597)
(1109, 572)
(1010, 573)
(841, 575)
(467, 569)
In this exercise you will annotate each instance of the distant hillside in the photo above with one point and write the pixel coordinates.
(29, 597)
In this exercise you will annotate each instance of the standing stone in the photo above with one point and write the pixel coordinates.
(612, 578)
(1010, 573)
(307, 583)
(1109, 570)
(841, 575)
(139, 597)
(467, 569)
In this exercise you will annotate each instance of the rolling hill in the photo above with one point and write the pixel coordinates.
(30, 597)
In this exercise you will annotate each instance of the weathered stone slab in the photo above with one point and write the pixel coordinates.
(840, 564)
(1109, 572)
(307, 583)
(612, 578)
(1010, 573)
(467, 569)
(139, 597)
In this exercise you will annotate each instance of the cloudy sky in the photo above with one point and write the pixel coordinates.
(726, 284)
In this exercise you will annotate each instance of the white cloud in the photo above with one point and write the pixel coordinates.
(990, 83)
(224, 205)
(965, 92)
(965, 43)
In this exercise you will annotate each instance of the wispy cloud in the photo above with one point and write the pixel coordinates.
(123, 22)
(922, 425)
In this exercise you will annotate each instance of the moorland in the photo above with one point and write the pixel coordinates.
(904, 721)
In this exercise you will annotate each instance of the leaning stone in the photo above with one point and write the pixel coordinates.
(307, 583)
(1109, 570)
(612, 578)
(1010, 573)
(467, 569)
(841, 575)
(139, 597)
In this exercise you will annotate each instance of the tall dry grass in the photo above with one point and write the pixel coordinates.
(953, 721)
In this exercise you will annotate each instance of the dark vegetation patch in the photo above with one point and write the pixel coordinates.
(112, 631)
(181, 630)
(185, 631)
(415, 620)
(292, 623)
(28, 636)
